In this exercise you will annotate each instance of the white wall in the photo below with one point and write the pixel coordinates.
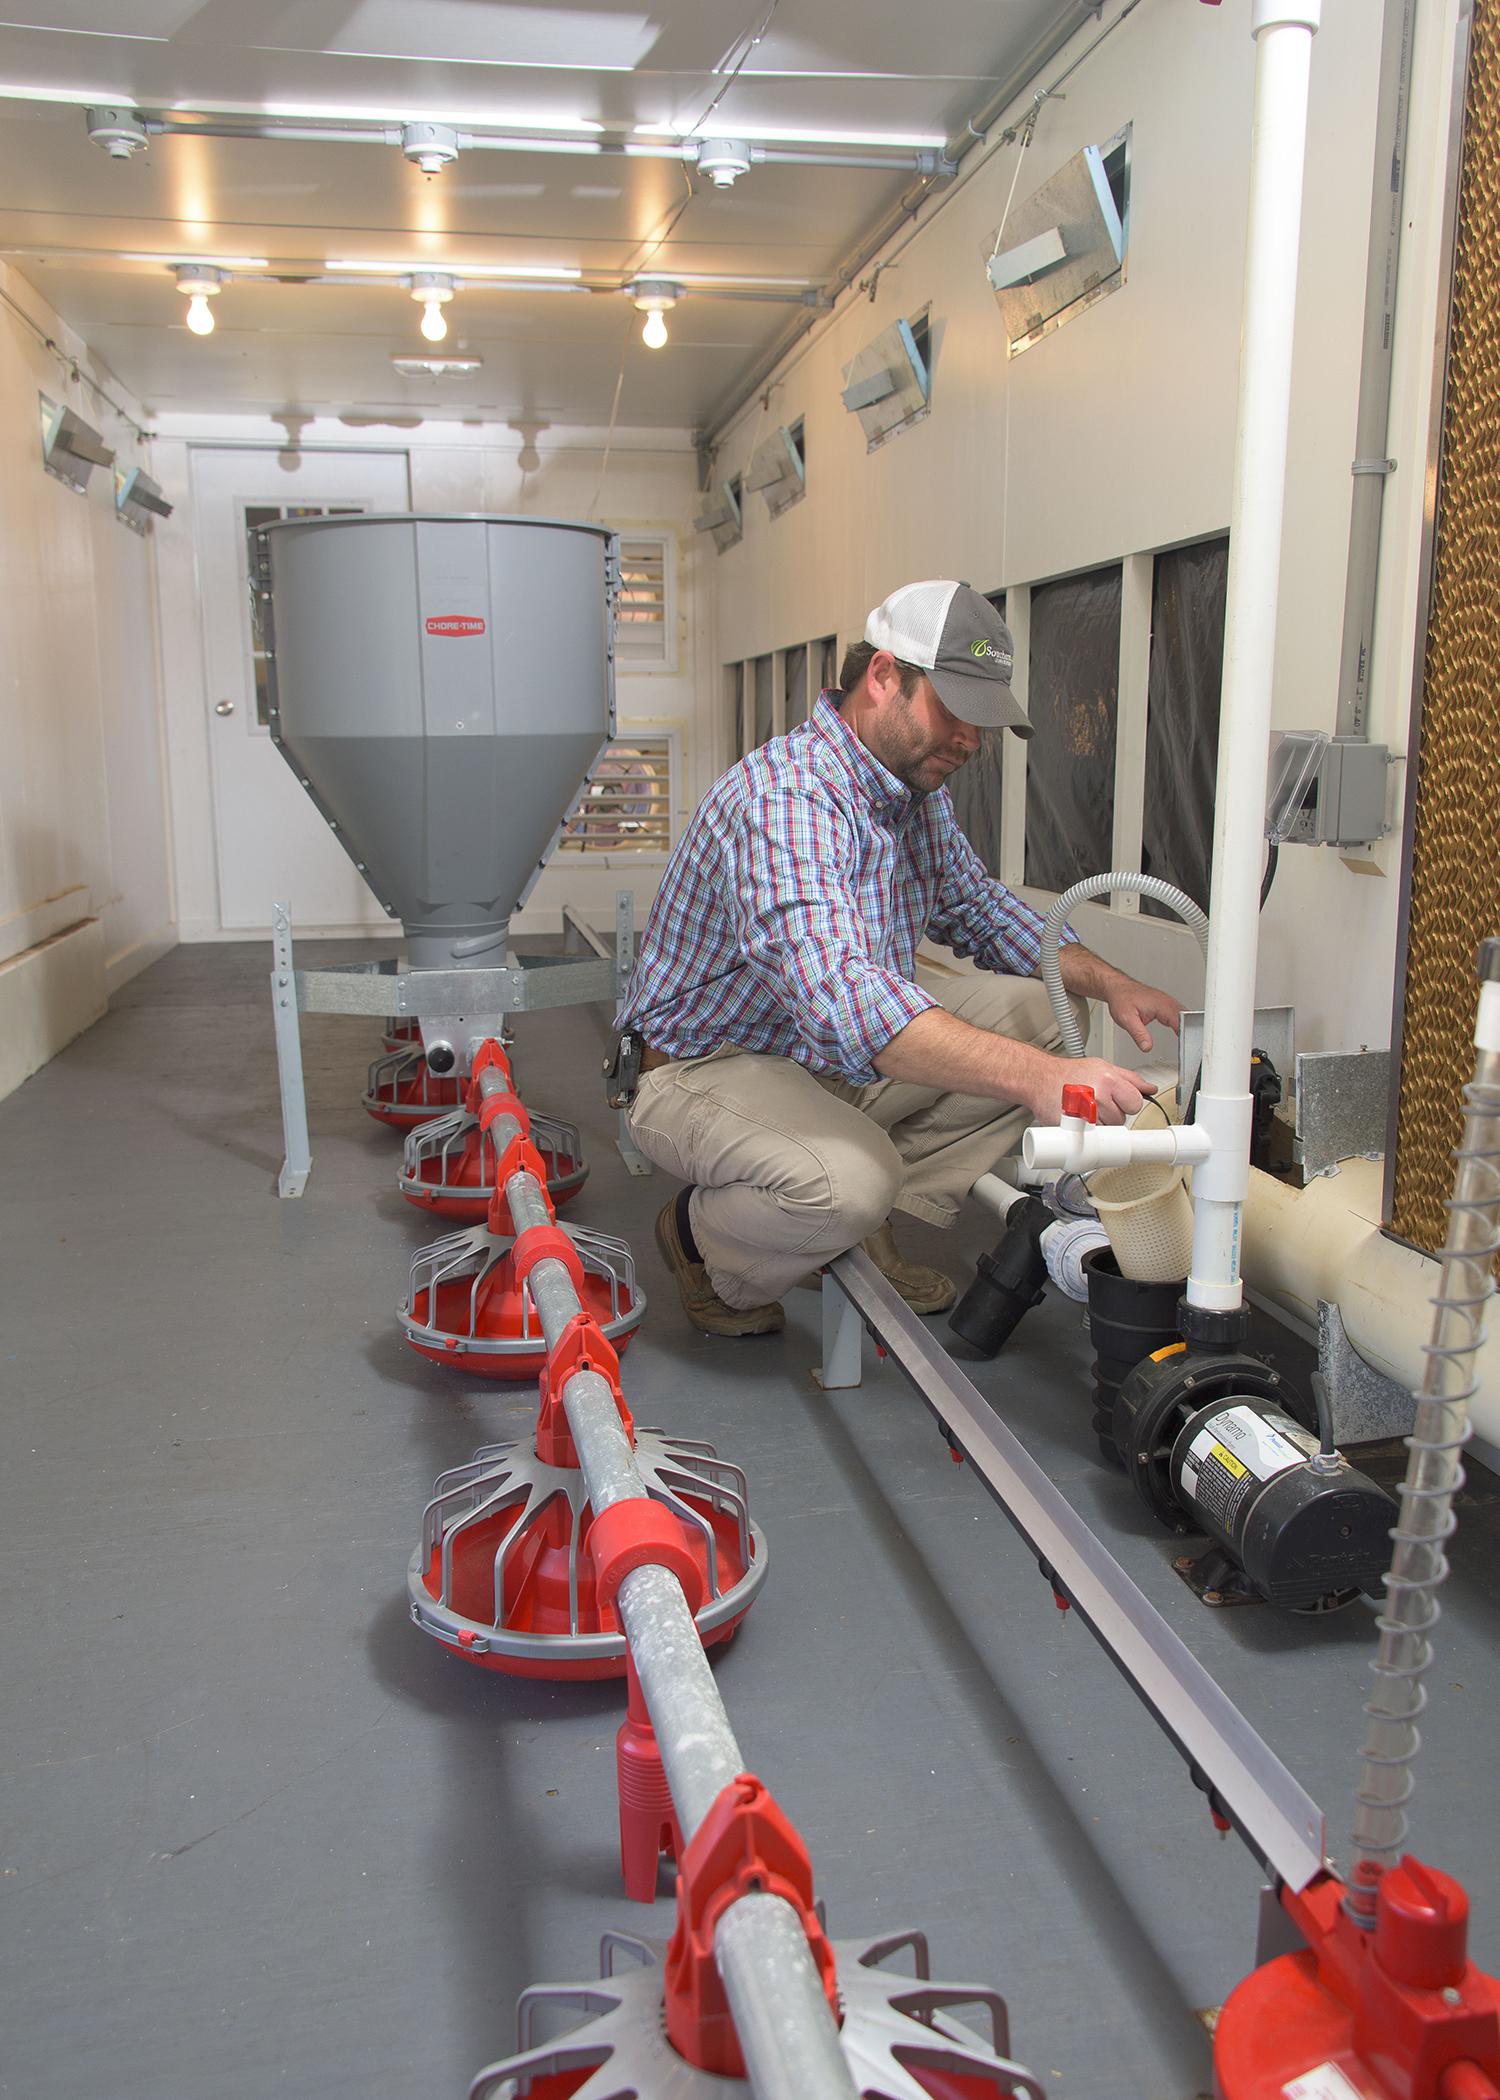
(1114, 436)
(85, 870)
(649, 485)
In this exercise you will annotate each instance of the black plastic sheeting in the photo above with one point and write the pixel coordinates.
(1072, 698)
(1182, 731)
(975, 789)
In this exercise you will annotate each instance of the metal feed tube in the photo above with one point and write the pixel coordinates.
(1283, 49)
(786, 2032)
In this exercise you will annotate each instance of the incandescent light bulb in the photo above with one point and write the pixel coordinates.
(434, 325)
(200, 315)
(654, 334)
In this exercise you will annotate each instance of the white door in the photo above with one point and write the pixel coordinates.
(270, 841)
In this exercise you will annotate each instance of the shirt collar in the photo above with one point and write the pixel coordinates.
(884, 792)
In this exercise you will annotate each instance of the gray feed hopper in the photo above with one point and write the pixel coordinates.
(441, 687)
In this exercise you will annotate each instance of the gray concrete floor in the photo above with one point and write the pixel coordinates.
(260, 1837)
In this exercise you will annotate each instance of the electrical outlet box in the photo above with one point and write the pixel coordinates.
(1337, 791)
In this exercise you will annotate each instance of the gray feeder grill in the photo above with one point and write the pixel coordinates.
(402, 1089)
(895, 2027)
(464, 1307)
(449, 1165)
(441, 686)
(501, 1576)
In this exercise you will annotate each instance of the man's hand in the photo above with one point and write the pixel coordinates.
(1132, 1005)
(1119, 1094)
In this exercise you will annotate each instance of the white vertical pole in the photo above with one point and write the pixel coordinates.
(1283, 32)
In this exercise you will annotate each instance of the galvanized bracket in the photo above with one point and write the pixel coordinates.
(1367, 1406)
(1343, 1103)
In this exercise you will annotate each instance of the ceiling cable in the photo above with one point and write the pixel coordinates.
(73, 368)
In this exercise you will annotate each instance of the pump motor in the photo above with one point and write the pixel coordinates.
(1211, 1447)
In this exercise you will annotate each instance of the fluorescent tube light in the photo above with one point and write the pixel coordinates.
(455, 269)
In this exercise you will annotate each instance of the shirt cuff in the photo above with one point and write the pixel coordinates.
(875, 1008)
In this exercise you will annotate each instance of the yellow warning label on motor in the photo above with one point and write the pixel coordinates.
(1228, 1461)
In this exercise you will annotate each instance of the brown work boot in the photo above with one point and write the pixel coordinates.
(925, 1290)
(700, 1301)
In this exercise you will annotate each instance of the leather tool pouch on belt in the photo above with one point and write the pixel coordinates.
(622, 1069)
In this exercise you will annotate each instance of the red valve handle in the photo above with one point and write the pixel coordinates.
(1079, 1101)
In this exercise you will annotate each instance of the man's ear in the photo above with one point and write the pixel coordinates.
(882, 677)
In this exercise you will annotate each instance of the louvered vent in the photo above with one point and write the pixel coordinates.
(641, 618)
(627, 805)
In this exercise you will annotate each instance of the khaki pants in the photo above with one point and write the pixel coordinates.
(791, 1167)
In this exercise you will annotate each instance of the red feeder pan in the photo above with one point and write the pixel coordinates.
(465, 1306)
(503, 1576)
(449, 1167)
(902, 2034)
(401, 1090)
(403, 1032)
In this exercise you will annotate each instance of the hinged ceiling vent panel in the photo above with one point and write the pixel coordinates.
(888, 384)
(720, 515)
(778, 469)
(1064, 248)
(71, 448)
(138, 499)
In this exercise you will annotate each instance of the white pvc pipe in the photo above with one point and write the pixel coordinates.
(1076, 1147)
(1283, 33)
(1325, 1242)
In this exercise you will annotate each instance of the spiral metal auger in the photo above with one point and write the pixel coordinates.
(1419, 1564)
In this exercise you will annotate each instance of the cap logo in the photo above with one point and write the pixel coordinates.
(985, 649)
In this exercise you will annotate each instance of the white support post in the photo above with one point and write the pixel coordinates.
(1283, 32)
(296, 1162)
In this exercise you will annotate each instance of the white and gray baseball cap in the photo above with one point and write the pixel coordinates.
(956, 636)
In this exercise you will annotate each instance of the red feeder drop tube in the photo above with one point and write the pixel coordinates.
(401, 1090)
(449, 1165)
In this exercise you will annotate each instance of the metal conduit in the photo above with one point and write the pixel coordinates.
(790, 2042)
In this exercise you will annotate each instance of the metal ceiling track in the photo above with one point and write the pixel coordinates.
(1244, 1779)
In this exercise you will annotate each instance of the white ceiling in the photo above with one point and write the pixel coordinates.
(70, 216)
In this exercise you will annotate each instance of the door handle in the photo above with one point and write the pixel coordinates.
(223, 707)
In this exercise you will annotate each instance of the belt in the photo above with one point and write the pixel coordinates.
(651, 1058)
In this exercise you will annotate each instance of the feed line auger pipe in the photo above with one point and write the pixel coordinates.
(1419, 1565)
(781, 2015)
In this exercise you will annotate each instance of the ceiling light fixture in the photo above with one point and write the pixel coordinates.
(119, 131)
(432, 293)
(429, 147)
(199, 284)
(654, 297)
(723, 161)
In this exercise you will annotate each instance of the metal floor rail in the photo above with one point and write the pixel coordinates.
(1244, 1778)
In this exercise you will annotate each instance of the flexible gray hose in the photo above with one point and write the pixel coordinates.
(1112, 884)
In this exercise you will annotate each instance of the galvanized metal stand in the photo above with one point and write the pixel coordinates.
(1242, 1776)
(470, 1004)
(296, 1162)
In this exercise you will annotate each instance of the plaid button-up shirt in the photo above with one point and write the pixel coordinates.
(789, 916)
